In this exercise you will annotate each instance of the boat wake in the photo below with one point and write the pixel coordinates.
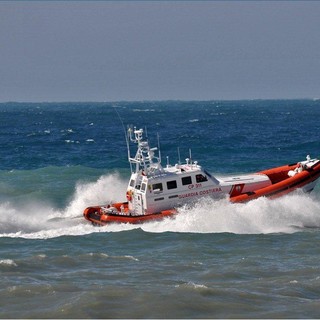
(288, 214)
(291, 213)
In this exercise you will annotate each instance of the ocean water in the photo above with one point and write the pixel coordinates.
(213, 260)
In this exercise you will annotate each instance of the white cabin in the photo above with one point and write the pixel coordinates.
(153, 188)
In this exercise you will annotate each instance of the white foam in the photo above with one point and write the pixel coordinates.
(131, 258)
(8, 262)
(38, 221)
(107, 189)
(287, 214)
(143, 110)
(191, 285)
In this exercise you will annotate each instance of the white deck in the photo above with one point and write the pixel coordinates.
(243, 179)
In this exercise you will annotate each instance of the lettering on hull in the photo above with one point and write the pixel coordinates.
(200, 193)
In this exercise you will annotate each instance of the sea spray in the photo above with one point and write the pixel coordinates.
(106, 189)
(39, 220)
(284, 215)
(261, 216)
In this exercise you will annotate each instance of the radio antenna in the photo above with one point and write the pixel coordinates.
(126, 136)
(159, 147)
(190, 156)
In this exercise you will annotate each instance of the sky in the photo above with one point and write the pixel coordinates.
(61, 51)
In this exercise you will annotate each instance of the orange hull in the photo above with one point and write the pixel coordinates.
(97, 216)
(282, 184)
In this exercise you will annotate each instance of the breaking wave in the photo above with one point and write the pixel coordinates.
(288, 214)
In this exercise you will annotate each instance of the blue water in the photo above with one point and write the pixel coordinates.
(214, 260)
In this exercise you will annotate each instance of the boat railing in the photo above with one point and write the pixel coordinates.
(145, 158)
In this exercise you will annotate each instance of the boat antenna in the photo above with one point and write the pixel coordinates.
(126, 136)
(146, 133)
(145, 129)
(179, 156)
(190, 156)
(159, 147)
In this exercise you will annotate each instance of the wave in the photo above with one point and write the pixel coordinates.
(8, 263)
(288, 214)
(36, 220)
(143, 110)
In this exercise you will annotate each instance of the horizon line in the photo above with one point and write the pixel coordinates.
(160, 100)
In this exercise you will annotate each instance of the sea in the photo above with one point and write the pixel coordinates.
(213, 260)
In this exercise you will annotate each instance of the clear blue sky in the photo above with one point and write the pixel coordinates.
(158, 50)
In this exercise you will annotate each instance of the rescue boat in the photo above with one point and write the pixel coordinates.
(155, 192)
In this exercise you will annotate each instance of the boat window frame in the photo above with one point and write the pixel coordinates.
(172, 184)
(157, 187)
(132, 183)
(186, 180)
(201, 178)
(143, 187)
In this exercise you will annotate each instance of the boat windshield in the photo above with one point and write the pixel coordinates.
(211, 177)
(207, 173)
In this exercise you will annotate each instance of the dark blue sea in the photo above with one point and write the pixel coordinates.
(213, 260)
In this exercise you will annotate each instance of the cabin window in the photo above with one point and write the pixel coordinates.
(132, 182)
(143, 187)
(157, 187)
(201, 178)
(186, 180)
(172, 184)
